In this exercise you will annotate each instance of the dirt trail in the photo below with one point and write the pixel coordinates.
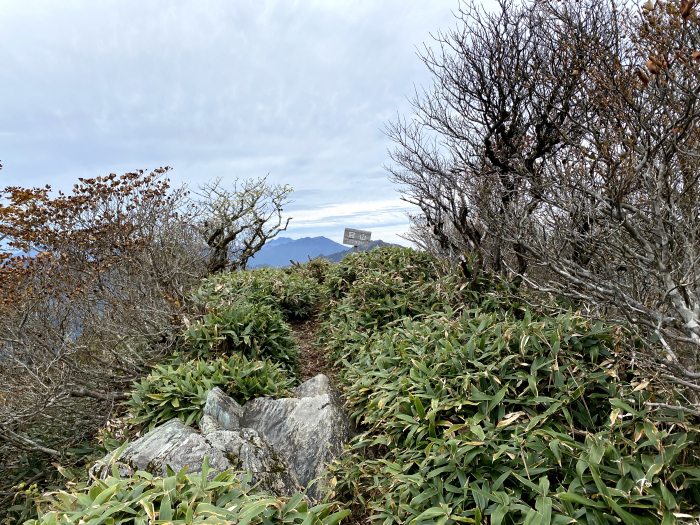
(311, 357)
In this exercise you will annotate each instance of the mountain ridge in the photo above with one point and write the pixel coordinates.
(300, 250)
(280, 253)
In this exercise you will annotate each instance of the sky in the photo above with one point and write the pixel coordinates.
(298, 91)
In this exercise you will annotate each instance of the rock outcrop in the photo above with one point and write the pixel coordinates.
(284, 443)
(176, 445)
(308, 431)
(146, 453)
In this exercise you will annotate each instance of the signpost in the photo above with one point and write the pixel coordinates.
(357, 238)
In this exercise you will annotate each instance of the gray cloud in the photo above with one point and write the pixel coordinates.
(299, 90)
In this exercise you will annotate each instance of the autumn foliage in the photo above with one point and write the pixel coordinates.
(92, 288)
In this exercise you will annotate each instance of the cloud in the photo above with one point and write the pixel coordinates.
(385, 218)
(297, 89)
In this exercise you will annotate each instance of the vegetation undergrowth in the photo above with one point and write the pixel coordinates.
(255, 330)
(478, 402)
(247, 313)
(235, 337)
(294, 293)
(180, 498)
(180, 390)
(26, 477)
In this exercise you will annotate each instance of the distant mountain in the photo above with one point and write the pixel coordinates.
(298, 250)
(337, 257)
(276, 242)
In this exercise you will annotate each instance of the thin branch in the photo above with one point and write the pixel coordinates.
(673, 407)
(104, 396)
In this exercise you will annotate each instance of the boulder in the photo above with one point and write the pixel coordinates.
(147, 452)
(242, 449)
(284, 443)
(316, 386)
(177, 445)
(308, 431)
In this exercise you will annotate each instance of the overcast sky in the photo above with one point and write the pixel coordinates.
(299, 90)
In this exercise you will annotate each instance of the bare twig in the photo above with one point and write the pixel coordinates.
(104, 396)
(673, 407)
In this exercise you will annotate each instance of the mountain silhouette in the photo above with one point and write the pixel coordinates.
(277, 241)
(299, 250)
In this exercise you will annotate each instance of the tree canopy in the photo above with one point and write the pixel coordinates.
(559, 143)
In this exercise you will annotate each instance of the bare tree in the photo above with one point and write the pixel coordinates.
(568, 135)
(499, 108)
(439, 242)
(621, 215)
(237, 222)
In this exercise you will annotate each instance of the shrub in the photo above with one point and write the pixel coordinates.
(377, 289)
(295, 294)
(477, 399)
(317, 269)
(371, 290)
(251, 329)
(180, 498)
(377, 303)
(402, 264)
(181, 391)
(525, 421)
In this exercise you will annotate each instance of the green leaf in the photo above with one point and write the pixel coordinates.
(581, 500)
(432, 512)
(104, 495)
(253, 510)
(497, 398)
(668, 519)
(498, 514)
(336, 517)
(419, 407)
(166, 511)
(293, 502)
(628, 518)
(624, 406)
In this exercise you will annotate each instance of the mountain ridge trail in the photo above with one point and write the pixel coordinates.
(312, 359)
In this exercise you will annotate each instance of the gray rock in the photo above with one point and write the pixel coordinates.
(177, 445)
(242, 450)
(147, 452)
(223, 409)
(282, 442)
(308, 432)
(316, 386)
(208, 424)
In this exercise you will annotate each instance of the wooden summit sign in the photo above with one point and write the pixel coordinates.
(357, 237)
